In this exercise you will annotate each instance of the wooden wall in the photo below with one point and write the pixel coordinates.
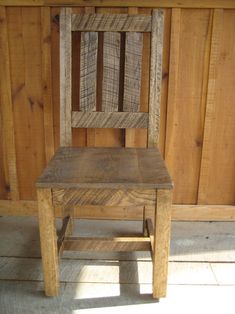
(197, 136)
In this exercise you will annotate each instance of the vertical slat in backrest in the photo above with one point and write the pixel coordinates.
(155, 77)
(111, 71)
(129, 101)
(65, 78)
(132, 72)
(88, 70)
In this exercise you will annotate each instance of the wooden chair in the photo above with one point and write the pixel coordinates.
(107, 176)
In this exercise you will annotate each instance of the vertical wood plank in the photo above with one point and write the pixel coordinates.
(161, 242)
(100, 61)
(165, 80)
(55, 72)
(108, 137)
(47, 82)
(4, 170)
(65, 77)
(144, 92)
(48, 242)
(132, 72)
(190, 38)
(138, 137)
(4, 185)
(210, 105)
(155, 77)
(111, 67)
(22, 124)
(88, 67)
(91, 133)
(79, 135)
(7, 106)
(217, 185)
(28, 108)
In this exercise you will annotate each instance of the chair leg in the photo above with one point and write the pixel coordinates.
(48, 239)
(161, 242)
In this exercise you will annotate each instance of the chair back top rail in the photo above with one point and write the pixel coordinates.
(111, 23)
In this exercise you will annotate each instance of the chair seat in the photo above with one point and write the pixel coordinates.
(113, 168)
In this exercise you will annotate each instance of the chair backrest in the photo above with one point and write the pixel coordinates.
(121, 80)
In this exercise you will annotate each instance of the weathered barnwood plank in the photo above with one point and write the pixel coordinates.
(109, 119)
(111, 22)
(130, 133)
(111, 67)
(119, 244)
(155, 77)
(7, 106)
(111, 168)
(91, 133)
(106, 137)
(138, 137)
(47, 82)
(108, 197)
(65, 77)
(112, 212)
(79, 136)
(132, 72)
(88, 70)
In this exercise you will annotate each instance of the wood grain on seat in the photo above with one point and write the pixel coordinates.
(113, 168)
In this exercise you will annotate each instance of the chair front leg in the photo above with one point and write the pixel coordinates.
(161, 242)
(48, 240)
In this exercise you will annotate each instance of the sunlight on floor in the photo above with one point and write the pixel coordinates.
(91, 291)
(107, 271)
(180, 299)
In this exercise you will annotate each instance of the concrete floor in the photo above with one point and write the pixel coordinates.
(201, 271)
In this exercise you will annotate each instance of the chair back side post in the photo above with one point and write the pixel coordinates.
(155, 77)
(112, 114)
(65, 77)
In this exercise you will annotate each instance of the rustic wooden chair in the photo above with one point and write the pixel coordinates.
(107, 176)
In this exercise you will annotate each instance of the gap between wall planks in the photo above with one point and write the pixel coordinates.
(226, 4)
(179, 212)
